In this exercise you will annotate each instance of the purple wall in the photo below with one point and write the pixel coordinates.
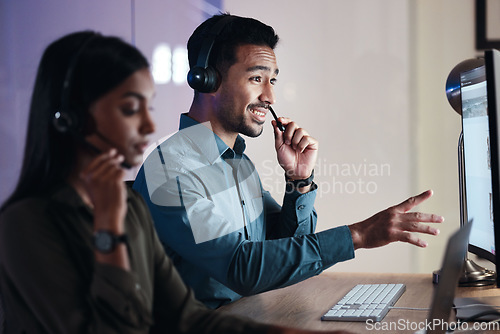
(28, 26)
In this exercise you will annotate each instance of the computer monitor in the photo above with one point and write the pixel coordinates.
(492, 63)
(479, 128)
(477, 162)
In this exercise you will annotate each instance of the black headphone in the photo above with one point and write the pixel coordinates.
(67, 122)
(64, 121)
(203, 77)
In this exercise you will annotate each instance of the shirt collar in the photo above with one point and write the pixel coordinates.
(204, 140)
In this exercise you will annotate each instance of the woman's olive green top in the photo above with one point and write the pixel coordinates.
(51, 283)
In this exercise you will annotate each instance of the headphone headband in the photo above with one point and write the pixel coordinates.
(65, 121)
(203, 77)
(209, 41)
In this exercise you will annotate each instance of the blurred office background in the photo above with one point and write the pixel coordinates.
(365, 77)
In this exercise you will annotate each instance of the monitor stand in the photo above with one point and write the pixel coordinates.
(473, 274)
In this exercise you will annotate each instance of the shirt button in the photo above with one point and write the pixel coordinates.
(137, 286)
(301, 207)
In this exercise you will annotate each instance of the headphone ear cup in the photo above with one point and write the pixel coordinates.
(64, 122)
(204, 80)
(212, 80)
(196, 77)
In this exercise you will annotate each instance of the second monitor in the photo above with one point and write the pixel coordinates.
(478, 170)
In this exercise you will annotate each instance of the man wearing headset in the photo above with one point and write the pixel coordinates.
(226, 235)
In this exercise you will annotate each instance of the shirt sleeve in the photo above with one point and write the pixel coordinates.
(247, 267)
(296, 217)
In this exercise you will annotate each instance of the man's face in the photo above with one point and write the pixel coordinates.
(246, 90)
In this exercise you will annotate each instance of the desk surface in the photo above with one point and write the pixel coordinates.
(302, 305)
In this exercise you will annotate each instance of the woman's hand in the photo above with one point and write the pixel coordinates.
(103, 180)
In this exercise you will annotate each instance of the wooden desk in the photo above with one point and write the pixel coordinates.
(302, 305)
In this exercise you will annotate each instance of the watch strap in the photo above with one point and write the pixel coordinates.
(299, 183)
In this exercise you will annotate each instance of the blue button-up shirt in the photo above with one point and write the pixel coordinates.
(226, 235)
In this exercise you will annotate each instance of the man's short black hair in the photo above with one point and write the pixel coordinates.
(237, 31)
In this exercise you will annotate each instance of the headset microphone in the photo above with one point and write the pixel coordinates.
(106, 140)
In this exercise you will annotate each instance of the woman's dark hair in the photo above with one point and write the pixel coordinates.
(96, 64)
(238, 31)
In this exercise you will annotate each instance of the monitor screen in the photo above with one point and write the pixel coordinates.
(477, 162)
(492, 63)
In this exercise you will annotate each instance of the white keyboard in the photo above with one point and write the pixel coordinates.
(365, 301)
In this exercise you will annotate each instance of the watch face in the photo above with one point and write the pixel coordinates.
(104, 242)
